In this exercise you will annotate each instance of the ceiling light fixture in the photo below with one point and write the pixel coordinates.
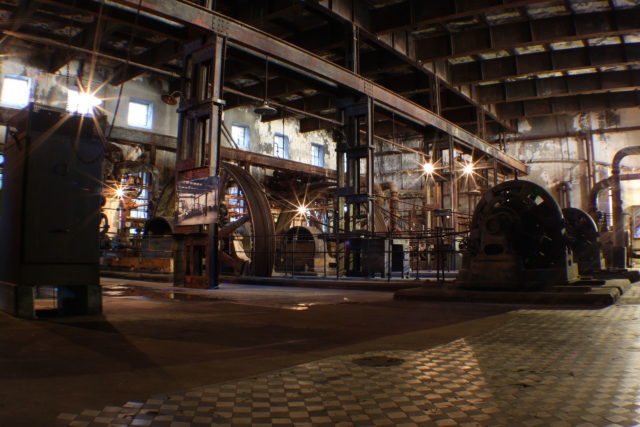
(265, 109)
(170, 98)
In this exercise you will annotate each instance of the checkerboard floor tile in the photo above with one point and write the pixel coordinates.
(540, 368)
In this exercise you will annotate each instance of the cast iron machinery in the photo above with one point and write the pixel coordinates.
(517, 241)
(583, 236)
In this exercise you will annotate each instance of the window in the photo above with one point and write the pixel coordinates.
(16, 91)
(140, 114)
(1, 169)
(137, 187)
(234, 201)
(317, 155)
(141, 210)
(81, 102)
(281, 146)
(240, 134)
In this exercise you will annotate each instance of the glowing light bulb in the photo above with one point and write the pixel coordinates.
(302, 210)
(428, 168)
(82, 102)
(119, 193)
(468, 169)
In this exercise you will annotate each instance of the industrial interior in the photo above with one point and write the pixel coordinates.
(474, 151)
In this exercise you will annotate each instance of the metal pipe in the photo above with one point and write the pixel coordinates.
(603, 185)
(618, 261)
(616, 193)
(588, 148)
(394, 201)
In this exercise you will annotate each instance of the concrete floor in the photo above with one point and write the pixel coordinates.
(147, 343)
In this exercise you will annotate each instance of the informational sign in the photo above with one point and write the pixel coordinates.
(197, 201)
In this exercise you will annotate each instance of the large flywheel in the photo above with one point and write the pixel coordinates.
(247, 232)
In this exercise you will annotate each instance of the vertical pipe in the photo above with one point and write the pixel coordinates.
(355, 49)
(452, 184)
(369, 169)
(588, 148)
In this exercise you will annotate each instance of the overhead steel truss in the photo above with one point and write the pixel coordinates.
(257, 42)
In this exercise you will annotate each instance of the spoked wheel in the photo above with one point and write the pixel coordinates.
(247, 233)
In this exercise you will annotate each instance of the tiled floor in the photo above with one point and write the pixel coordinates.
(541, 367)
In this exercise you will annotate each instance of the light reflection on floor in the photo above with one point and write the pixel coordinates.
(258, 295)
(541, 367)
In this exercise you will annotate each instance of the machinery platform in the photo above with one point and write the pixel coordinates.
(583, 293)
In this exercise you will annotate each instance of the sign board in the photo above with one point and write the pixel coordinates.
(197, 201)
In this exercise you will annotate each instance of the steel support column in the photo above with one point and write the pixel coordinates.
(199, 135)
(355, 213)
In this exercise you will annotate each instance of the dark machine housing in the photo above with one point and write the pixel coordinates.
(518, 241)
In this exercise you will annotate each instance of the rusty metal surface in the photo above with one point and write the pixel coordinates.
(275, 163)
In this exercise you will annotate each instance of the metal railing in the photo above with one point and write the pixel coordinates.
(431, 254)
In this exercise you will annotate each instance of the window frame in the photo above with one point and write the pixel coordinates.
(320, 148)
(247, 135)
(15, 77)
(285, 146)
(149, 105)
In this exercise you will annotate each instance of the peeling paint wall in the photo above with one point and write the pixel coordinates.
(404, 170)
(563, 159)
(51, 89)
(262, 136)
